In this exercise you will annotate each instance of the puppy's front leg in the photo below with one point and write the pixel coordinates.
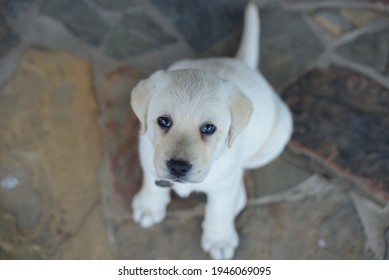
(219, 237)
(149, 204)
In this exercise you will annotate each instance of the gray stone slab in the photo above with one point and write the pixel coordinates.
(363, 17)
(375, 221)
(333, 21)
(118, 5)
(79, 18)
(16, 8)
(288, 46)
(8, 38)
(173, 239)
(340, 123)
(387, 244)
(227, 47)
(202, 23)
(320, 227)
(136, 33)
(277, 176)
(319, 3)
(338, 22)
(370, 50)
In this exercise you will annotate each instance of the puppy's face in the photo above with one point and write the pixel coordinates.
(191, 117)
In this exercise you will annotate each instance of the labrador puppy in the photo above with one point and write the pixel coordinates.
(203, 122)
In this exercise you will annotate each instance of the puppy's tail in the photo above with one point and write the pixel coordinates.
(248, 51)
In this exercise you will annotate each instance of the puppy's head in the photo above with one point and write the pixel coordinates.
(191, 117)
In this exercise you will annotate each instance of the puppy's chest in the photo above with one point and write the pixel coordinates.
(184, 190)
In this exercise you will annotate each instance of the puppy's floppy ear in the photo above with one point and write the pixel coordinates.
(240, 110)
(141, 95)
(140, 98)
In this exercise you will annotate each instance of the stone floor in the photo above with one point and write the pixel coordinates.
(68, 138)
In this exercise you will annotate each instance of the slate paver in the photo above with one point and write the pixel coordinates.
(357, 145)
(333, 21)
(135, 34)
(15, 8)
(287, 48)
(369, 49)
(305, 229)
(8, 38)
(81, 20)
(279, 175)
(173, 239)
(203, 22)
(118, 5)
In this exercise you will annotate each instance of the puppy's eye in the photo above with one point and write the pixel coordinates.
(164, 122)
(208, 129)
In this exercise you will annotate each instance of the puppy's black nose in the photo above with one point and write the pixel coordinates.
(178, 168)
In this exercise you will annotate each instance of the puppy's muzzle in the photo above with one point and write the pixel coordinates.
(178, 168)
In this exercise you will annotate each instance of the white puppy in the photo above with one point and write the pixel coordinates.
(202, 123)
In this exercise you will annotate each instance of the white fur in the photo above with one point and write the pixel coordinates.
(253, 127)
(248, 50)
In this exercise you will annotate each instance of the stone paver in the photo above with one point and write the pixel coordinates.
(81, 20)
(339, 22)
(48, 175)
(363, 17)
(69, 162)
(358, 145)
(274, 230)
(15, 8)
(333, 21)
(136, 33)
(173, 239)
(120, 128)
(193, 19)
(118, 5)
(375, 220)
(287, 48)
(267, 180)
(8, 39)
(369, 49)
(82, 246)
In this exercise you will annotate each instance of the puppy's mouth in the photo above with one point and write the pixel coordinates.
(178, 180)
(169, 180)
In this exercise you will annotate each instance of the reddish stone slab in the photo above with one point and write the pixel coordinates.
(121, 127)
(341, 122)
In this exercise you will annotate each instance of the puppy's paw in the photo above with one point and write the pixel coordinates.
(146, 212)
(220, 246)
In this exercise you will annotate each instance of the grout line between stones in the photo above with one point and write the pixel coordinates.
(317, 30)
(352, 35)
(364, 70)
(329, 55)
(375, 221)
(333, 5)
